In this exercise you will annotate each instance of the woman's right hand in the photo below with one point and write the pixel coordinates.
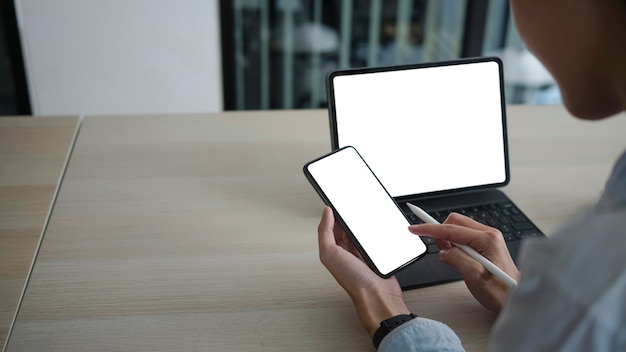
(486, 288)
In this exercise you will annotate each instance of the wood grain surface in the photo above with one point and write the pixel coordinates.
(198, 233)
(32, 156)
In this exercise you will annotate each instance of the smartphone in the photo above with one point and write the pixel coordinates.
(368, 214)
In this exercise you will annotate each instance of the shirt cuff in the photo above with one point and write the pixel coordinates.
(421, 334)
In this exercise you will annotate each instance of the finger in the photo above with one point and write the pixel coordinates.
(443, 245)
(344, 241)
(341, 236)
(454, 233)
(460, 219)
(326, 236)
(447, 232)
(468, 266)
(331, 236)
(349, 246)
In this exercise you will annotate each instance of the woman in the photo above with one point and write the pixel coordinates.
(564, 301)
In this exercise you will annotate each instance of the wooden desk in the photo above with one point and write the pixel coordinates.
(33, 152)
(198, 233)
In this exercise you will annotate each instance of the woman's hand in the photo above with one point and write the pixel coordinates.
(374, 298)
(489, 242)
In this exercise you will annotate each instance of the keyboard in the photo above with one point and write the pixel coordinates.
(504, 216)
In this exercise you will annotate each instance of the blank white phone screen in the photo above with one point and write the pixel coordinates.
(427, 129)
(367, 210)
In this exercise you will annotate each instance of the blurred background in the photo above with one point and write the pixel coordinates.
(271, 54)
(278, 52)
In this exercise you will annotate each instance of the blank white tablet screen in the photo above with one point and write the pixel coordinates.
(426, 129)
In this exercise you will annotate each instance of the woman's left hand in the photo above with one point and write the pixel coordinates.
(374, 298)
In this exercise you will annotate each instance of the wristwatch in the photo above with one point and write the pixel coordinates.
(389, 324)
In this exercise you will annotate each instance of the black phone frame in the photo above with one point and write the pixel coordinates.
(345, 226)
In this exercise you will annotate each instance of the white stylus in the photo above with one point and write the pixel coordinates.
(491, 267)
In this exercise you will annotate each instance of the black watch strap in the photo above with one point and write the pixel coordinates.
(389, 324)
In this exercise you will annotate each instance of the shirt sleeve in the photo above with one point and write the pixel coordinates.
(563, 302)
(421, 334)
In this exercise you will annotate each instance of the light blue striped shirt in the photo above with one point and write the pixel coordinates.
(572, 294)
